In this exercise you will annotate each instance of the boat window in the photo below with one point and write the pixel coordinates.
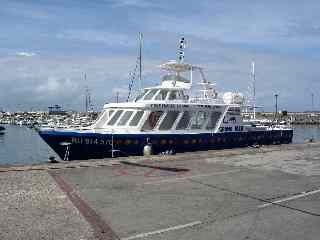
(115, 117)
(150, 94)
(141, 95)
(214, 117)
(184, 121)
(152, 120)
(169, 120)
(162, 95)
(173, 77)
(176, 95)
(125, 117)
(198, 120)
(110, 112)
(102, 119)
(173, 95)
(136, 119)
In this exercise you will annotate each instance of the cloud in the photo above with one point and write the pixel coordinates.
(26, 54)
(44, 81)
(283, 37)
(23, 10)
(134, 3)
(96, 36)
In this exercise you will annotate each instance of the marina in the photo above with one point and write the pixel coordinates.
(159, 120)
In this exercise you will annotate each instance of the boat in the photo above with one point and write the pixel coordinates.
(2, 129)
(171, 117)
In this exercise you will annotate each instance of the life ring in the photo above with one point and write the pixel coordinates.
(152, 119)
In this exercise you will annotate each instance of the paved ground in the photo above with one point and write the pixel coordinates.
(265, 193)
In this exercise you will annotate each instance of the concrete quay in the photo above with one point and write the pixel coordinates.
(271, 192)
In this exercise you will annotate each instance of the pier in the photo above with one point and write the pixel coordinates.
(269, 192)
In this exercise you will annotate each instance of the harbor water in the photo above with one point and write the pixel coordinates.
(23, 146)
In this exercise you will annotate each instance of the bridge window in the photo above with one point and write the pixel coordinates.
(162, 95)
(115, 117)
(184, 121)
(173, 95)
(169, 120)
(102, 119)
(152, 120)
(141, 95)
(150, 94)
(136, 119)
(214, 117)
(198, 120)
(125, 117)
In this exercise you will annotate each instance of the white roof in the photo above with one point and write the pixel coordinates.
(173, 65)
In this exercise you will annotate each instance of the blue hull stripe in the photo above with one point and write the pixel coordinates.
(95, 145)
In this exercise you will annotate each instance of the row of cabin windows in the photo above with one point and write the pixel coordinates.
(123, 120)
(163, 94)
(192, 120)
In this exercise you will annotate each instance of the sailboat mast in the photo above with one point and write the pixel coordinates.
(86, 92)
(140, 61)
(254, 89)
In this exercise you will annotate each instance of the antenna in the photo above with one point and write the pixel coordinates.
(253, 75)
(182, 46)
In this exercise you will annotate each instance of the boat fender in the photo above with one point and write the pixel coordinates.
(147, 150)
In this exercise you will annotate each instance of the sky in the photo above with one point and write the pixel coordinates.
(47, 46)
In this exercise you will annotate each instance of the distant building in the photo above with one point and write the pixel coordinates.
(56, 110)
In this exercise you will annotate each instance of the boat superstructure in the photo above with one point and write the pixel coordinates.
(169, 117)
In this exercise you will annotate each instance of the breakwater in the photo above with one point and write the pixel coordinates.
(306, 118)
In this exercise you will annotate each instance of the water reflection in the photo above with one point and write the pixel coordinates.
(21, 145)
(302, 133)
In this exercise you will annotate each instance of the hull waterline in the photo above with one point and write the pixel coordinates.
(96, 146)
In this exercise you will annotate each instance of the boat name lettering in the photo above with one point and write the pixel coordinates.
(230, 129)
(169, 106)
(92, 141)
(181, 106)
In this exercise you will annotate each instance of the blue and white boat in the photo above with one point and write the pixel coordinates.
(169, 117)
